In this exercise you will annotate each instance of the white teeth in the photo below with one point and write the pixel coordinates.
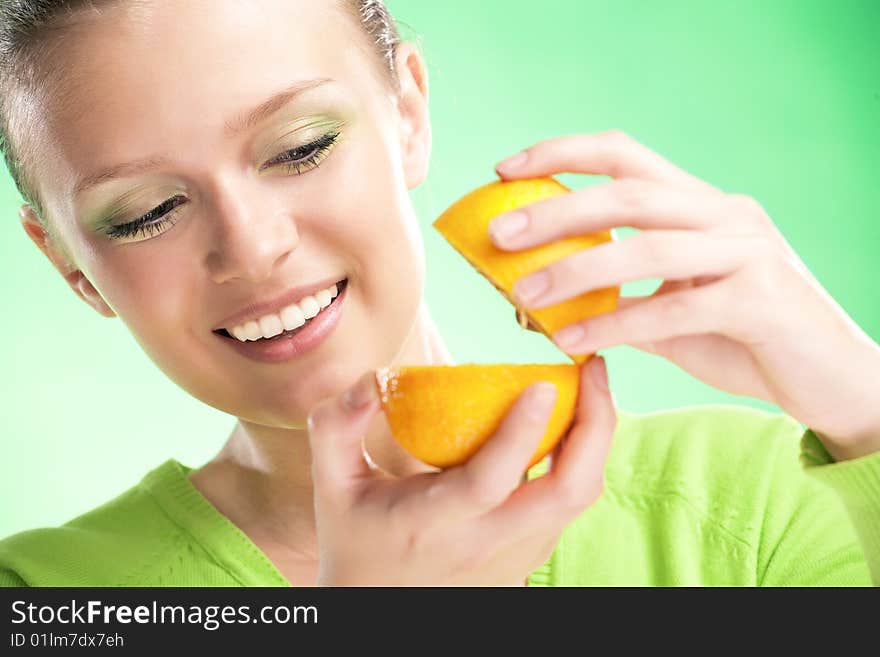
(252, 331)
(309, 307)
(292, 317)
(270, 326)
(288, 319)
(323, 298)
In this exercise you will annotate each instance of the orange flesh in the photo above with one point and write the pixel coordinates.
(465, 226)
(443, 414)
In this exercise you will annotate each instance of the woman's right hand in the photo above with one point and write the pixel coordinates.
(476, 524)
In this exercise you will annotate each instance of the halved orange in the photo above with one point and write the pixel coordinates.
(465, 225)
(442, 414)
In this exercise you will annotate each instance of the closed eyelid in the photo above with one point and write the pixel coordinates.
(299, 133)
(310, 130)
(312, 154)
(315, 152)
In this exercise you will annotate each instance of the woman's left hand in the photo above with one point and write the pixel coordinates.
(737, 309)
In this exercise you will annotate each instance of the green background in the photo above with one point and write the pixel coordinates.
(780, 100)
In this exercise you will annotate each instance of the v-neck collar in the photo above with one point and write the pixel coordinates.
(230, 547)
(220, 537)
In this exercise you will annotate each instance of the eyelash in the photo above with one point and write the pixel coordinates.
(300, 160)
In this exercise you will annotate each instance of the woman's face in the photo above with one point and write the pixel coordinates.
(173, 82)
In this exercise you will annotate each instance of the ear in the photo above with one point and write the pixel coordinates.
(415, 124)
(74, 277)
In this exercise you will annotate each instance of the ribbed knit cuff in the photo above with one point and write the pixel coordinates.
(857, 483)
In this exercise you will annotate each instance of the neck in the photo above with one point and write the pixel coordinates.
(261, 479)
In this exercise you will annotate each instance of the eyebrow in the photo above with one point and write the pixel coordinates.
(231, 129)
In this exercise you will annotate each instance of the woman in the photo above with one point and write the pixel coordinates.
(215, 196)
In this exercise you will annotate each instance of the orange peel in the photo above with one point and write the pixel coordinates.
(443, 414)
(465, 225)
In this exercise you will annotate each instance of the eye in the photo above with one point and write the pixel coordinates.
(305, 158)
(297, 160)
(149, 224)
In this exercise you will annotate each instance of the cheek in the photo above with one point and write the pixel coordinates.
(368, 218)
(362, 215)
(364, 203)
(159, 295)
(154, 292)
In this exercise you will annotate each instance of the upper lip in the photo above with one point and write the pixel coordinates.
(257, 309)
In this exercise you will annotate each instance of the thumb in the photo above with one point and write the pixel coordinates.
(336, 428)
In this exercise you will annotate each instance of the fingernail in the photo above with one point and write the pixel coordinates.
(513, 162)
(600, 372)
(507, 226)
(542, 398)
(531, 287)
(360, 394)
(570, 336)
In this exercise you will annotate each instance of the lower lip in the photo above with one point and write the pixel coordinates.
(288, 347)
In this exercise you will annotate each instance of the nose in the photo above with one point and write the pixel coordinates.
(250, 239)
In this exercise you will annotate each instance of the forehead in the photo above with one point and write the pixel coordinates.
(163, 76)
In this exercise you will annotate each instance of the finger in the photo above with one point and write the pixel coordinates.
(662, 348)
(488, 477)
(696, 311)
(666, 254)
(610, 153)
(637, 203)
(576, 478)
(665, 288)
(336, 428)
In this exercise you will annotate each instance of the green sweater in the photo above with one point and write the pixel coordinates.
(711, 495)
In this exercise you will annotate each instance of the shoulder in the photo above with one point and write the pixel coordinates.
(715, 457)
(719, 462)
(707, 444)
(734, 473)
(110, 545)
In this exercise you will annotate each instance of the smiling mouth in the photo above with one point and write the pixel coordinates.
(341, 285)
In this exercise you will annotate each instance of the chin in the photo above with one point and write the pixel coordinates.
(289, 408)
